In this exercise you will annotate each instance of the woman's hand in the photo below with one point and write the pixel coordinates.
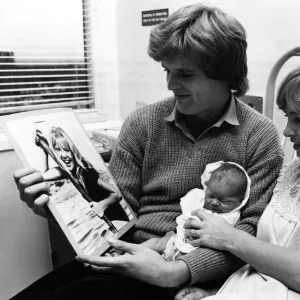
(98, 208)
(210, 231)
(40, 139)
(33, 190)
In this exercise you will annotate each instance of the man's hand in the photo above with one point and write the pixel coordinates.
(142, 263)
(158, 244)
(33, 190)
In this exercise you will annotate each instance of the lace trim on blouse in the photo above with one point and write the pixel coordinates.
(286, 195)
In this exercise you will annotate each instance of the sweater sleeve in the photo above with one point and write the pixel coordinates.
(263, 163)
(127, 159)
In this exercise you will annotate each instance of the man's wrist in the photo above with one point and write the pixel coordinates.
(180, 273)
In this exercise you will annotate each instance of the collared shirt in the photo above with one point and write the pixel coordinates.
(229, 116)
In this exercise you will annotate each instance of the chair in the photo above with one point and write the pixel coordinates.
(270, 95)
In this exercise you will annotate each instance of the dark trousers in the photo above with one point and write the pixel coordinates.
(74, 281)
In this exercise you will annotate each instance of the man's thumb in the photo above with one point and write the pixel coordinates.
(123, 246)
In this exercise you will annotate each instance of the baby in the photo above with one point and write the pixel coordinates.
(226, 190)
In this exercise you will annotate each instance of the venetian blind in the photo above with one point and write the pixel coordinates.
(45, 55)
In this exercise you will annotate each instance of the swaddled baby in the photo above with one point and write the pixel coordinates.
(226, 190)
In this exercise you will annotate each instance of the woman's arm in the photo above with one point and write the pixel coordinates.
(53, 173)
(110, 188)
(102, 205)
(277, 262)
(41, 142)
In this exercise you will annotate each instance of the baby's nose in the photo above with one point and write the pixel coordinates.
(215, 203)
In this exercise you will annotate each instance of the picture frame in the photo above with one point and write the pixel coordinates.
(84, 198)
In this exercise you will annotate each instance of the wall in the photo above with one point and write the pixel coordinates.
(25, 252)
(105, 57)
(271, 27)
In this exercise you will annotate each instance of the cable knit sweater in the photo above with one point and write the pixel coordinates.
(155, 163)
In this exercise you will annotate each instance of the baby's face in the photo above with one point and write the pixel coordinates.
(219, 198)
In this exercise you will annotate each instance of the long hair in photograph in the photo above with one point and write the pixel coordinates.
(59, 138)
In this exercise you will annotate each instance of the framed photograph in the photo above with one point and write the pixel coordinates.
(84, 197)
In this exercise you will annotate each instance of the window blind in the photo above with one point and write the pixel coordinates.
(45, 55)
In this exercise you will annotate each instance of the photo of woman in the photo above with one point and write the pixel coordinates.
(82, 194)
(92, 184)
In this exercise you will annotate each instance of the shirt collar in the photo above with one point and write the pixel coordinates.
(229, 116)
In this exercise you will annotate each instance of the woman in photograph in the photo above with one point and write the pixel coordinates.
(92, 184)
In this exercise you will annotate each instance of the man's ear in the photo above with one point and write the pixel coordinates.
(206, 182)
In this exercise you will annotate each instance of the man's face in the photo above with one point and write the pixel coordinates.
(195, 93)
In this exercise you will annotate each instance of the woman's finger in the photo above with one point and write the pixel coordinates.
(193, 224)
(197, 242)
(192, 233)
(200, 214)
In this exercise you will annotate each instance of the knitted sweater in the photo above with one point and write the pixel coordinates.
(155, 164)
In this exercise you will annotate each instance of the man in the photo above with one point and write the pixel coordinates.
(161, 152)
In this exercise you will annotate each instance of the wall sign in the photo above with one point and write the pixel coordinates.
(153, 17)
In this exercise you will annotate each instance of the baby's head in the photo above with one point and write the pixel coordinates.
(226, 189)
